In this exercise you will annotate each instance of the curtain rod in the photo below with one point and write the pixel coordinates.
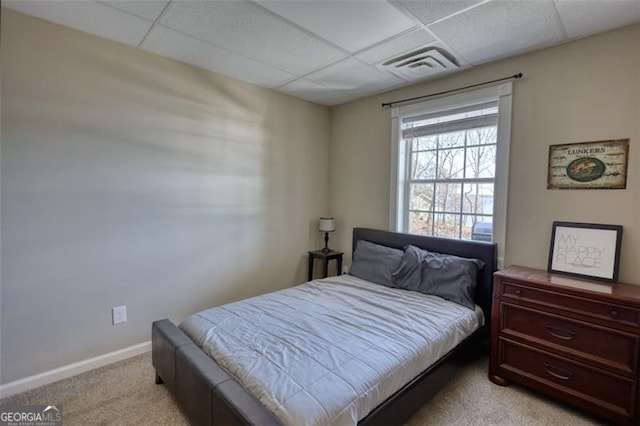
(515, 76)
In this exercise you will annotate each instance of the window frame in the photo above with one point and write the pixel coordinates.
(399, 187)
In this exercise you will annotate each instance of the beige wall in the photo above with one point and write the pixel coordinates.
(581, 91)
(132, 179)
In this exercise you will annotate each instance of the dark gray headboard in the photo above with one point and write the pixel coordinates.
(463, 248)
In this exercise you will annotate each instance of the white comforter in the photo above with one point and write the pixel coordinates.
(331, 350)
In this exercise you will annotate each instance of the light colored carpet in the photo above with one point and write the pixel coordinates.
(124, 393)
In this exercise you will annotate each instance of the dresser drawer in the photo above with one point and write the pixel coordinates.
(591, 308)
(608, 347)
(611, 393)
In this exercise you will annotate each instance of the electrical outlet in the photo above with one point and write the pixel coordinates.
(345, 269)
(119, 314)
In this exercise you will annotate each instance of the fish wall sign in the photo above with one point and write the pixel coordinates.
(589, 165)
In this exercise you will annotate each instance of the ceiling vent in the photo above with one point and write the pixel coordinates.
(422, 63)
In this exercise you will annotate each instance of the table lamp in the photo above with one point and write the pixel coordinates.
(326, 225)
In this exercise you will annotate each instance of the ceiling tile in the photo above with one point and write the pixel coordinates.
(432, 10)
(372, 89)
(352, 25)
(147, 9)
(395, 47)
(351, 74)
(175, 45)
(585, 17)
(251, 31)
(91, 17)
(499, 28)
(312, 92)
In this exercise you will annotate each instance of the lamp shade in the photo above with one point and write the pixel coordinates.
(326, 224)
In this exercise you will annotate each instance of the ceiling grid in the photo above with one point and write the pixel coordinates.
(331, 52)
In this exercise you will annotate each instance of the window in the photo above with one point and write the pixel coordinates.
(449, 170)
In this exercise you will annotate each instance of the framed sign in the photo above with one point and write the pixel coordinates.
(585, 250)
(589, 165)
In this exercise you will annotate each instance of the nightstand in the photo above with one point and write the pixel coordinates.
(325, 257)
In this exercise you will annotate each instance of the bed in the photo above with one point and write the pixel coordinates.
(210, 392)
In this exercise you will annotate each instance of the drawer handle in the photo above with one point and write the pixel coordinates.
(559, 373)
(614, 313)
(561, 333)
(518, 291)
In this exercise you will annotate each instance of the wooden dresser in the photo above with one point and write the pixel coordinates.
(574, 339)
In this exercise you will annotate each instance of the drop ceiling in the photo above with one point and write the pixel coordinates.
(333, 51)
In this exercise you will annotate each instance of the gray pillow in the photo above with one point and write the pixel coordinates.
(450, 277)
(375, 263)
(409, 274)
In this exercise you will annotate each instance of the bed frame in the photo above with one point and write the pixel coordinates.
(208, 395)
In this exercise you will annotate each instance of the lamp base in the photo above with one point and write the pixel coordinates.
(326, 248)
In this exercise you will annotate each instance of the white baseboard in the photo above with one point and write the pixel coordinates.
(70, 370)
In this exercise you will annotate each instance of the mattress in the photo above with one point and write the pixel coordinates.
(329, 351)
